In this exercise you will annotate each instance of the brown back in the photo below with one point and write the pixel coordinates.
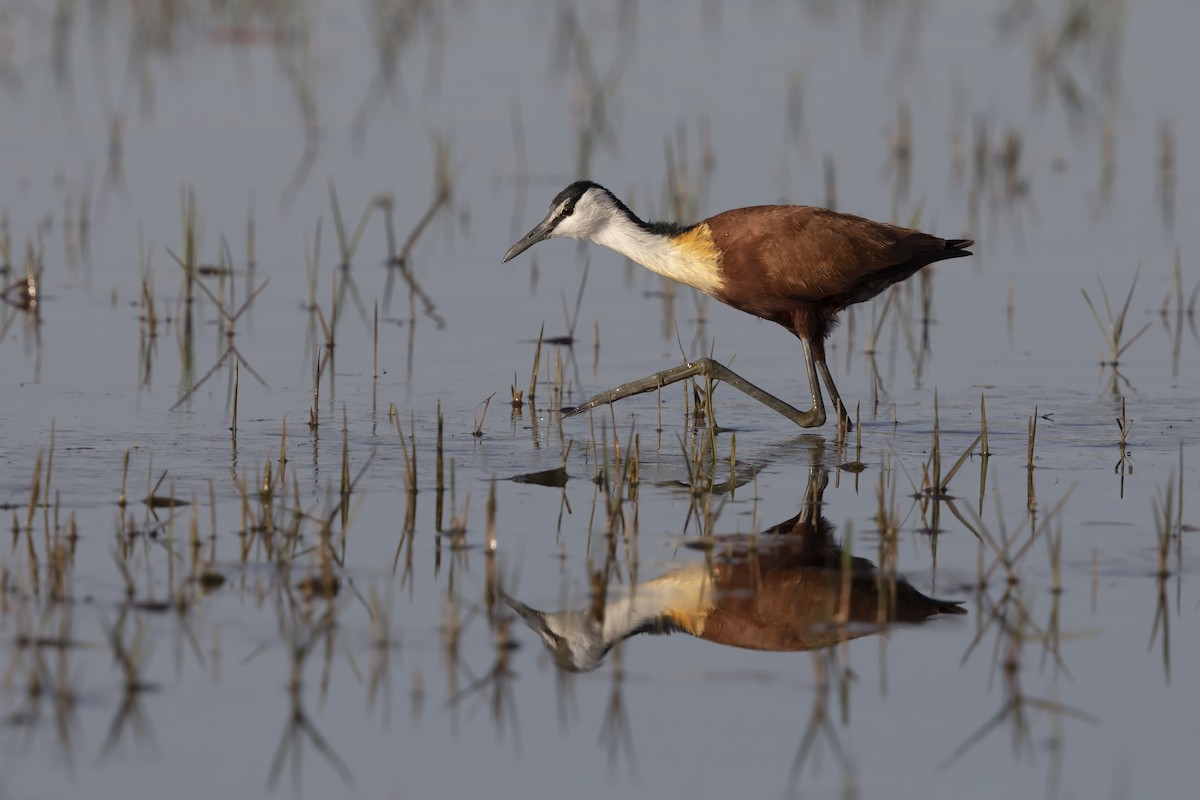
(778, 259)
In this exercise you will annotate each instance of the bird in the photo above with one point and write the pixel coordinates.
(791, 588)
(795, 265)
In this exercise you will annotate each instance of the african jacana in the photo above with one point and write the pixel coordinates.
(794, 265)
(790, 589)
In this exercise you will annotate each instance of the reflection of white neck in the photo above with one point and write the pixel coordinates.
(678, 599)
(659, 602)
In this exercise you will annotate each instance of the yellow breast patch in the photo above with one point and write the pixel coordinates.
(697, 260)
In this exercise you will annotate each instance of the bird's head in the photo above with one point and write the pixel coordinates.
(580, 211)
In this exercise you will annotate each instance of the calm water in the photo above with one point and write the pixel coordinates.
(309, 644)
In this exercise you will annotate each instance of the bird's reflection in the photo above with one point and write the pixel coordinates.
(789, 589)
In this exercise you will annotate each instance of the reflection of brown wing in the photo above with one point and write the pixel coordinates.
(785, 599)
(787, 592)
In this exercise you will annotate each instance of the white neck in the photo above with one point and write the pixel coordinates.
(659, 253)
(652, 250)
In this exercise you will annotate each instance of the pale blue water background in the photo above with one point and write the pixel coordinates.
(703, 721)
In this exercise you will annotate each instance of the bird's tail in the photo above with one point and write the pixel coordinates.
(949, 606)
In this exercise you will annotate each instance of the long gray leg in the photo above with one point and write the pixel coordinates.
(818, 403)
(810, 508)
(813, 418)
(834, 397)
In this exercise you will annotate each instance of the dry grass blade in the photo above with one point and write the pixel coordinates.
(478, 431)
(35, 491)
(347, 246)
(961, 460)
(877, 330)
(410, 461)
(1113, 327)
(443, 192)
(537, 356)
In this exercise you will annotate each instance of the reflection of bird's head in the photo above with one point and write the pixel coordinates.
(575, 638)
(579, 640)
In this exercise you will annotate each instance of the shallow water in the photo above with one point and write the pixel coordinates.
(125, 673)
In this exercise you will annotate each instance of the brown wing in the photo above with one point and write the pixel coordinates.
(780, 258)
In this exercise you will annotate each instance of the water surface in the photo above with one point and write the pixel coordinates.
(1056, 135)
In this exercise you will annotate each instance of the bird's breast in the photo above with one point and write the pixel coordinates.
(696, 260)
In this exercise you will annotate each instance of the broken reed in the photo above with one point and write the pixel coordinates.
(190, 226)
(479, 417)
(375, 361)
(1163, 507)
(491, 522)
(283, 451)
(843, 425)
(458, 522)
(147, 312)
(236, 375)
(440, 490)
(858, 430)
(314, 413)
(345, 483)
(887, 513)
(1053, 535)
(1030, 494)
(410, 456)
(537, 355)
(985, 453)
(122, 499)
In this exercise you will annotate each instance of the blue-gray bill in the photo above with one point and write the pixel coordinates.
(539, 232)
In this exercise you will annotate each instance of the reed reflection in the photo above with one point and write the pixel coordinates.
(789, 589)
